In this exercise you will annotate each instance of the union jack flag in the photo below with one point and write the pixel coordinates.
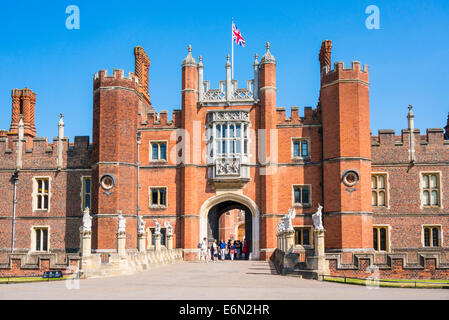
(237, 36)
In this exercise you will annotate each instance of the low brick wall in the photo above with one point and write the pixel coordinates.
(34, 265)
(428, 268)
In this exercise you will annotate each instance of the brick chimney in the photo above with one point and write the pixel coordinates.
(325, 54)
(23, 103)
(142, 66)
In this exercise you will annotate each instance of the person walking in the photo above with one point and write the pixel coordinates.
(214, 251)
(229, 248)
(203, 250)
(238, 248)
(222, 249)
(232, 251)
(245, 250)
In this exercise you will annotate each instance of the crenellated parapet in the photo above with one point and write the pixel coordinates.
(117, 80)
(155, 119)
(311, 116)
(42, 154)
(341, 74)
(387, 147)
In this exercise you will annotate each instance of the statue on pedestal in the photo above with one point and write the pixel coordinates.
(141, 225)
(157, 227)
(121, 223)
(317, 219)
(169, 228)
(87, 220)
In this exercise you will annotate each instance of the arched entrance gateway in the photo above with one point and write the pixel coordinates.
(215, 207)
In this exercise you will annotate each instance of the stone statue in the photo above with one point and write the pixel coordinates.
(141, 225)
(121, 223)
(280, 226)
(87, 220)
(290, 216)
(157, 227)
(317, 219)
(169, 228)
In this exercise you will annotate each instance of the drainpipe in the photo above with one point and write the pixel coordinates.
(15, 178)
(139, 142)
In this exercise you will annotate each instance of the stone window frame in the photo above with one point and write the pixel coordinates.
(158, 142)
(150, 197)
(35, 193)
(388, 237)
(311, 240)
(83, 194)
(421, 189)
(300, 205)
(33, 238)
(440, 235)
(309, 148)
(387, 189)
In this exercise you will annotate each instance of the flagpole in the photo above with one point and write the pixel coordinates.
(232, 40)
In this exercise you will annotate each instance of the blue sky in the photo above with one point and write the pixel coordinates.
(408, 56)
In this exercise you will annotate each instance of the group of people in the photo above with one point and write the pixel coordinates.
(233, 250)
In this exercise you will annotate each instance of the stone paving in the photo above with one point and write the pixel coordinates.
(228, 280)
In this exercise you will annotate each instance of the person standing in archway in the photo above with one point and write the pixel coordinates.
(222, 249)
(203, 250)
(245, 249)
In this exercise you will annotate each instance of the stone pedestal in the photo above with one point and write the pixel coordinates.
(170, 242)
(318, 262)
(86, 243)
(157, 242)
(121, 244)
(289, 240)
(141, 242)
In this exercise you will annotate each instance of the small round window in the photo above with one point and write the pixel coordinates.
(350, 178)
(107, 182)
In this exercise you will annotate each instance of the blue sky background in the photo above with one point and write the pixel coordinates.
(408, 56)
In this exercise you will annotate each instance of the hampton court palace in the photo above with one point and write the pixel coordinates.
(230, 158)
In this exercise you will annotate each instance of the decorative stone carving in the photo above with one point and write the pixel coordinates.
(227, 167)
(121, 223)
(141, 225)
(317, 219)
(169, 228)
(157, 227)
(228, 116)
(87, 221)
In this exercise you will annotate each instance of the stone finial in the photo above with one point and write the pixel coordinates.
(228, 63)
(267, 57)
(256, 56)
(325, 54)
(189, 60)
(200, 59)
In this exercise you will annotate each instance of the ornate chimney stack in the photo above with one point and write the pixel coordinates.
(23, 103)
(325, 54)
(142, 66)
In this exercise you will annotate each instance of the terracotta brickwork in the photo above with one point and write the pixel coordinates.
(128, 132)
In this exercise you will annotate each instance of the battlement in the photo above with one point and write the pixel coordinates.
(433, 136)
(387, 147)
(117, 78)
(45, 152)
(160, 119)
(340, 72)
(310, 116)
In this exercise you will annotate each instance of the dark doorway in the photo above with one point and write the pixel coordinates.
(217, 211)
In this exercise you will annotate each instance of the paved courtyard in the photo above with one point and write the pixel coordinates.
(237, 280)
